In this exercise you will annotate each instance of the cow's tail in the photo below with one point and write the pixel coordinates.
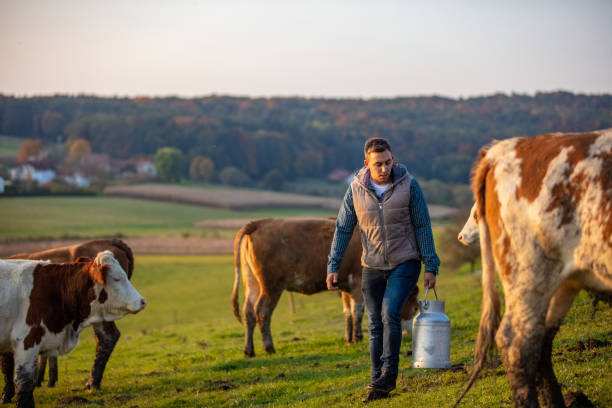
(245, 230)
(490, 309)
(128, 253)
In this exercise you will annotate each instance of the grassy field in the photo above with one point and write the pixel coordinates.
(90, 217)
(222, 196)
(9, 146)
(185, 350)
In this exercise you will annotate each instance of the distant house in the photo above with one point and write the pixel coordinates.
(97, 160)
(77, 180)
(146, 167)
(32, 172)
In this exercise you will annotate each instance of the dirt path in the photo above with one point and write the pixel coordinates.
(152, 245)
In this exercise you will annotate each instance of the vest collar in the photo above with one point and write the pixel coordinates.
(398, 173)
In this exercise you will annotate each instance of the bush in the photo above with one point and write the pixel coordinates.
(232, 176)
(273, 180)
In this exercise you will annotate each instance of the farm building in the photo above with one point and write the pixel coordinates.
(32, 172)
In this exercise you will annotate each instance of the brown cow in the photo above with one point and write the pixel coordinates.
(280, 254)
(45, 306)
(106, 333)
(544, 213)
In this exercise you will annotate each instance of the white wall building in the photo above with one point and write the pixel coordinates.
(77, 180)
(26, 172)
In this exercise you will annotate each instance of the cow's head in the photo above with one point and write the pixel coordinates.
(470, 233)
(114, 292)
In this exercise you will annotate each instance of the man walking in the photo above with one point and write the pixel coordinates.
(390, 209)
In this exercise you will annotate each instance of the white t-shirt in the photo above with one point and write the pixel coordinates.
(379, 189)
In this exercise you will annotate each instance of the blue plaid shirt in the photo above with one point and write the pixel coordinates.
(347, 220)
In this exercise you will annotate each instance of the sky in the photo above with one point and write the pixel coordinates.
(332, 48)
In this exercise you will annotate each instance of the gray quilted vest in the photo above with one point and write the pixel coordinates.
(385, 226)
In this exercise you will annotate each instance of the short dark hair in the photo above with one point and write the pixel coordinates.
(376, 144)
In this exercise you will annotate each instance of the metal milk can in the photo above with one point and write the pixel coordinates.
(431, 335)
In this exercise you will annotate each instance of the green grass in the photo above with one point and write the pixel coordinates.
(90, 217)
(9, 146)
(185, 350)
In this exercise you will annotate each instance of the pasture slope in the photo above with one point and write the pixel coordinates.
(92, 217)
(238, 198)
(9, 147)
(185, 350)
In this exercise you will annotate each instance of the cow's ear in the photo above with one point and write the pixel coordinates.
(81, 259)
(99, 273)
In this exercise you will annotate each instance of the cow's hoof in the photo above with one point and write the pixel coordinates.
(270, 350)
(7, 397)
(249, 353)
(25, 400)
(577, 399)
(90, 386)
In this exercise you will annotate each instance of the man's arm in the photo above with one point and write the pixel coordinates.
(345, 224)
(419, 214)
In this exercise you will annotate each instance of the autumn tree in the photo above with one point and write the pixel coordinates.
(29, 149)
(169, 163)
(309, 163)
(202, 168)
(51, 123)
(78, 148)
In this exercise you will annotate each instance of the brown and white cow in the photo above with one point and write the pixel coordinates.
(544, 212)
(45, 306)
(106, 333)
(280, 254)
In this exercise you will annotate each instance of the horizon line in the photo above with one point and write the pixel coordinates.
(295, 96)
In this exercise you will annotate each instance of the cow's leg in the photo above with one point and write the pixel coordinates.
(521, 334)
(357, 308)
(250, 322)
(106, 334)
(520, 359)
(52, 372)
(348, 317)
(251, 294)
(40, 371)
(25, 371)
(252, 290)
(547, 385)
(8, 370)
(263, 311)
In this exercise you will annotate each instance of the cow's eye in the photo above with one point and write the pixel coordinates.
(117, 278)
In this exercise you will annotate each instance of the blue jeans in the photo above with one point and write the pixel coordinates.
(385, 293)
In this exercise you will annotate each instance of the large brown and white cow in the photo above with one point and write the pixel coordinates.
(45, 306)
(106, 333)
(544, 214)
(274, 255)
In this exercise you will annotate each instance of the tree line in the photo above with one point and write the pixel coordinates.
(254, 138)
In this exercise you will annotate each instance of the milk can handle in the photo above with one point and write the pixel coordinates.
(427, 290)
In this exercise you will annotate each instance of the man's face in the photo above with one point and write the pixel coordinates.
(380, 164)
